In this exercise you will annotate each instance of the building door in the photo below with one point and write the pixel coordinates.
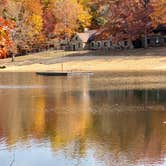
(74, 47)
(137, 43)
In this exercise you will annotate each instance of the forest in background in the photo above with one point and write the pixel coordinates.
(27, 23)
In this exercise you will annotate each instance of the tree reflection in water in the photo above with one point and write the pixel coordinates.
(67, 116)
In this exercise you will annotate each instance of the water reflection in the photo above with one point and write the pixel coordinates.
(70, 123)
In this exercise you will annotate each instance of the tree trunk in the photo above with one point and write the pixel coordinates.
(145, 39)
(131, 45)
(13, 57)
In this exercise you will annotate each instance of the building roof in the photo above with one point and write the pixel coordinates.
(86, 35)
(102, 34)
(160, 28)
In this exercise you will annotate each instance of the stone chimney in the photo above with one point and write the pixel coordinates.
(86, 29)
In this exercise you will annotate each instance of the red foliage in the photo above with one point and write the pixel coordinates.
(5, 38)
(48, 22)
(128, 19)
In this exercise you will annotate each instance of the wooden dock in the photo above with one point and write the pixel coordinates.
(52, 73)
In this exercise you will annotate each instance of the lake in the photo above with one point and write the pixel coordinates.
(107, 119)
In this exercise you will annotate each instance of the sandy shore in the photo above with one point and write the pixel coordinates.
(134, 60)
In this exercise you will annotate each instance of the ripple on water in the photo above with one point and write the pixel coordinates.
(22, 86)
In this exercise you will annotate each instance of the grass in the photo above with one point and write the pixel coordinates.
(114, 60)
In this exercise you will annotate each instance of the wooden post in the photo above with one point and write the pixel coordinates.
(62, 67)
(13, 57)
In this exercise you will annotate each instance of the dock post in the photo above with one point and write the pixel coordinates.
(13, 57)
(62, 67)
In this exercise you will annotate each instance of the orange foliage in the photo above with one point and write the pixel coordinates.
(5, 38)
(159, 14)
(70, 15)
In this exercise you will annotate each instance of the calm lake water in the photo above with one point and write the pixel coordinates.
(102, 120)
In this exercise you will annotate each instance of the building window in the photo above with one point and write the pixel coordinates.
(99, 44)
(105, 44)
(125, 43)
(157, 40)
(148, 41)
(76, 38)
(165, 40)
(79, 45)
(93, 44)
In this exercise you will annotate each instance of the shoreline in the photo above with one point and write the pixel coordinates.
(126, 61)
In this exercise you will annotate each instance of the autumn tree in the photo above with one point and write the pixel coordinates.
(29, 23)
(6, 28)
(49, 19)
(147, 7)
(159, 12)
(2, 6)
(70, 16)
(127, 19)
(97, 18)
(36, 21)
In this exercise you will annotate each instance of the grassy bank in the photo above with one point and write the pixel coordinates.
(152, 59)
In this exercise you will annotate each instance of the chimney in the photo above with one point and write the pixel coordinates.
(86, 29)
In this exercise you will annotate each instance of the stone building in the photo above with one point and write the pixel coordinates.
(159, 36)
(80, 41)
(102, 40)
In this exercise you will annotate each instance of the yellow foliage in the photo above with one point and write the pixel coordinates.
(70, 16)
(159, 14)
(36, 22)
(84, 18)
